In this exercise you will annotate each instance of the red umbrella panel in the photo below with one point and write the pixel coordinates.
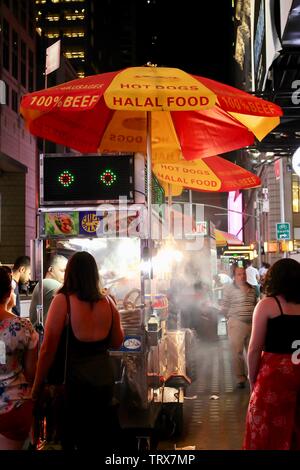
(211, 174)
(190, 115)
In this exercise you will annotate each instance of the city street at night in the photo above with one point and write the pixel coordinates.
(149, 232)
(214, 409)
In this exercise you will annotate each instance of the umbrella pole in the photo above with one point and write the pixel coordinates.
(191, 202)
(149, 175)
(149, 200)
(169, 209)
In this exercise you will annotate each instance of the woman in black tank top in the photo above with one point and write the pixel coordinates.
(273, 418)
(92, 325)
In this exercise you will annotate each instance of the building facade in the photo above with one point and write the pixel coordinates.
(17, 146)
(274, 49)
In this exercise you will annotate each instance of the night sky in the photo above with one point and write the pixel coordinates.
(175, 34)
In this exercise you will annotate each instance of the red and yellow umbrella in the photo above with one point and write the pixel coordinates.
(211, 174)
(225, 238)
(163, 111)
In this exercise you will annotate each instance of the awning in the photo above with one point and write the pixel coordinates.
(225, 238)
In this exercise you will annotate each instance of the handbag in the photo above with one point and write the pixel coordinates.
(58, 371)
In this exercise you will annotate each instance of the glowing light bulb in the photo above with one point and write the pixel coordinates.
(66, 178)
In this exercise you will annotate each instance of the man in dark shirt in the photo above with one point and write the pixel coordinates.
(21, 274)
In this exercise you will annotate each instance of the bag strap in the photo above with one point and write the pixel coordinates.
(112, 316)
(279, 305)
(68, 320)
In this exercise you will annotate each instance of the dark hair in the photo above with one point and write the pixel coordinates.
(283, 278)
(82, 278)
(5, 283)
(21, 261)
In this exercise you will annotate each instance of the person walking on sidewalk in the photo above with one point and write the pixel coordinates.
(273, 418)
(253, 277)
(238, 303)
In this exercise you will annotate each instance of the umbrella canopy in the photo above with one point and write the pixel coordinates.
(211, 174)
(190, 115)
(225, 238)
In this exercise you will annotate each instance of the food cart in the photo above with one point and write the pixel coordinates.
(97, 203)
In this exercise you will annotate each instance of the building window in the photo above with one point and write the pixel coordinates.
(52, 18)
(52, 35)
(74, 55)
(15, 54)
(296, 193)
(7, 94)
(23, 64)
(74, 34)
(4, 93)
(14, 101)
(75, 17)
(24, 13)
(31, 20)
(30, 71)
(5, 45)
(37, 2)
(16, 8)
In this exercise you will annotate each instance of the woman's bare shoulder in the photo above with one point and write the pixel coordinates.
(268, 306)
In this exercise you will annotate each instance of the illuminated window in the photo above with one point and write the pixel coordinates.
(74, 54)
(40, 1)
(52, 35)
(296, 193)
(52, 17)
(74, 34)
(80, 74)
(74, 17)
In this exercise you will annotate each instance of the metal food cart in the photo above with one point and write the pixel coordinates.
(97, 204)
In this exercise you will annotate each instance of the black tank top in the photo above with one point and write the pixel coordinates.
(89, 364)
(282, 331)
(88, 348)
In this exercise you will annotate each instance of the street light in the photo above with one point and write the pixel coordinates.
(296, 161)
